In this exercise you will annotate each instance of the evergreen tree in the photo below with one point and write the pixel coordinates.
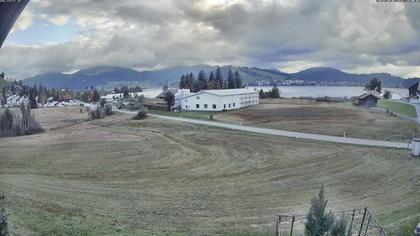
(238, 80)
(230, 80)
(33, 93)
(169, 98)
(182, 82)
(374, 84)
(261, 94)
(202, 79)
(275, 92)
(218, 79)
(13, 88)
(212, 81)
(3, 97)
(95, 95)
(339, 228)
(4, 231)
(318, 222)
(190, 81)
(125, 92)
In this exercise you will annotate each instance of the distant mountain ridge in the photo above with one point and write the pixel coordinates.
(108, 77)
(325, 74)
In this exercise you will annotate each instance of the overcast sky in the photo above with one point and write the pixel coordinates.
(352, 35)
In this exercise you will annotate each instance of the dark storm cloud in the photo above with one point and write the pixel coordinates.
(352, 35)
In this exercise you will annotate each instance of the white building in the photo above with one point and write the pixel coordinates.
(216, 100)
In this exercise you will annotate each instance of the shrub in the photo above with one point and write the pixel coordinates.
(387, 94)
(96, 113)
(108, 110)
(12, 124)
(141, 114)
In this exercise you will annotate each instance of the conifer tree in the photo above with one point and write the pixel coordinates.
(219, 79)
(3, 218)
(318, 222)
(212, 81)
(238, 80)
(230, 80)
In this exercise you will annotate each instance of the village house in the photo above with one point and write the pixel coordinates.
(368, 98)
(65, 95)
(216, 100)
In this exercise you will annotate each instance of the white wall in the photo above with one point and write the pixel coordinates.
(206, 102)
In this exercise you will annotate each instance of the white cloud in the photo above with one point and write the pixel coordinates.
(60, 20)
(358, 35)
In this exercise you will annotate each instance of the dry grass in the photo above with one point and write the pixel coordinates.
(116, 176)
(323, 118)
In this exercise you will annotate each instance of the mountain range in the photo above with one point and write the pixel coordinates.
(108, 77)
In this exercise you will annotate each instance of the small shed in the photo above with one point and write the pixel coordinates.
(368, 98)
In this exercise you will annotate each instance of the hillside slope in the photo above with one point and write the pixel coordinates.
(108, 77)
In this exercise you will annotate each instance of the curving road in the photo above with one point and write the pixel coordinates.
(289, 134)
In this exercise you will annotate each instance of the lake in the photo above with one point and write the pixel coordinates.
(330, 91)
(296, 91)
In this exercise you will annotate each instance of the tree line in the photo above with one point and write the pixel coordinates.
(214, 81)
(36, 94)
(273, 93)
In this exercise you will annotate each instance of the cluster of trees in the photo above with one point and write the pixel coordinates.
(214, 81)
(36, 94)
(13, 124)
(102, 109)
(273, 93)
(125, 90)
(92, 95)
(321, 223)
(169, 98)
(374, 84)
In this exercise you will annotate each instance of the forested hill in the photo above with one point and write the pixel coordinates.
(109, 77)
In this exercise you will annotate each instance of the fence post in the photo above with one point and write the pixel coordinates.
(363, 221)
(291, 228)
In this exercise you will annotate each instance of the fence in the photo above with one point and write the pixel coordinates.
(361, 221)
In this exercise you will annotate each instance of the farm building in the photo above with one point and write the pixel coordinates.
(368, 98)
(216, 100)
(414, 90)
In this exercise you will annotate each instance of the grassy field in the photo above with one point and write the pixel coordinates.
(117, 176)
(401, 108)
(314, 117)
(202, 115)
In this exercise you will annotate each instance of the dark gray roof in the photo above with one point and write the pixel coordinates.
(369, 93)
(9, 12)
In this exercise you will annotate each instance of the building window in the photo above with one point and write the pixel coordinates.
(234, 104)
(229, 105)
(205, 106)
(224, 106)
(197, 106)
(214, 106)
(198, 97)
